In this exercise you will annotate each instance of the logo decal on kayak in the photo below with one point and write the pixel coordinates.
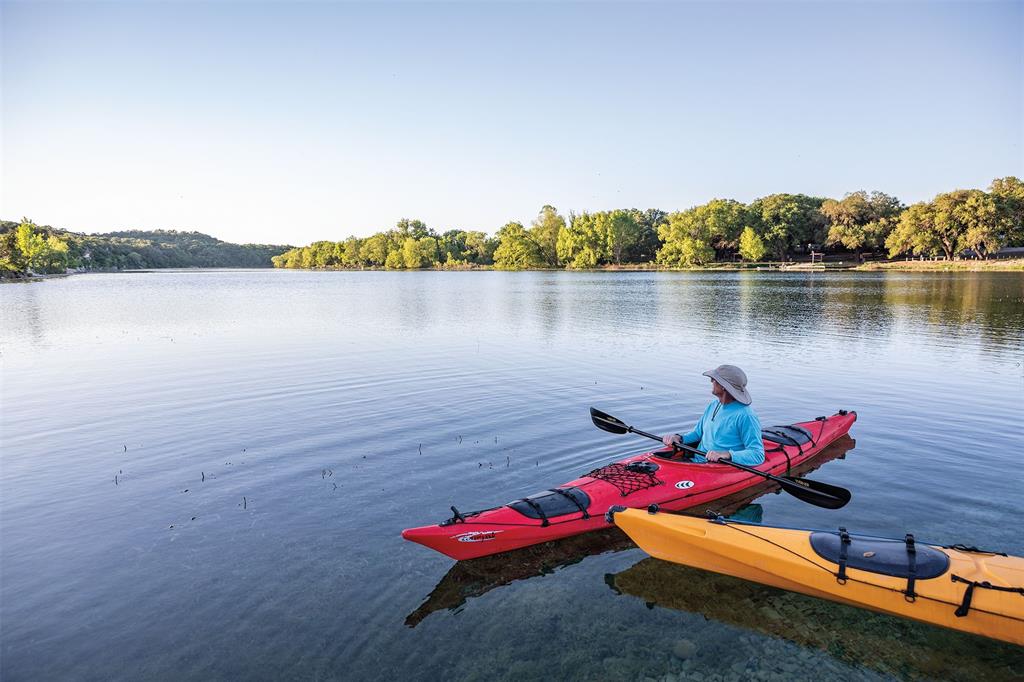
(476, 536)
(683, 485)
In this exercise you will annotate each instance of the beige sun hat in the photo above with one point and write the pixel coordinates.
(733, 379)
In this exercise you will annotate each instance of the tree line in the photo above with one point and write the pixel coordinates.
(29, 248)
(778, 226)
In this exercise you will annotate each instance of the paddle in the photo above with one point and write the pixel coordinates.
(812, 492)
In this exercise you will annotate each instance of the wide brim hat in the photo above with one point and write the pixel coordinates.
(733, 380)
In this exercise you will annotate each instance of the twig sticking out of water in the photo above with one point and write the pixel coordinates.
(508, 461)
(245, 503)
(125, 447)
(204, 477)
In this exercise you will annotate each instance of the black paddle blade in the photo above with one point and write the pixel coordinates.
(816, 492)
(606, 422)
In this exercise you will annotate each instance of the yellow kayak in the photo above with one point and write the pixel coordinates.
(955, 587)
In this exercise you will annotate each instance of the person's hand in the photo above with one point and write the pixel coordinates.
(672, 439)
(716, 455)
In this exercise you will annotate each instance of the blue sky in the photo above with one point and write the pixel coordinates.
(292, 122)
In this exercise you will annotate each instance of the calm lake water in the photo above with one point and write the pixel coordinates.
(204, 475)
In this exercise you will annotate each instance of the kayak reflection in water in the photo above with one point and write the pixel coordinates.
(729, 427)
(752, 513)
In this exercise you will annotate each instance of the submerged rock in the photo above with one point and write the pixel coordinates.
(684, 649)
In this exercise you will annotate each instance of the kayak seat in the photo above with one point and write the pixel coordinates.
(786, 435)
(555, 502)
(882, 556)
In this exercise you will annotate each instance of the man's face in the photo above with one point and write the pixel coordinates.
(717, 390)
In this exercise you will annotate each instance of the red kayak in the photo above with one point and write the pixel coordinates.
(637, 481)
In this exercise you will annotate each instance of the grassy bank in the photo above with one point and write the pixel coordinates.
(994, 265)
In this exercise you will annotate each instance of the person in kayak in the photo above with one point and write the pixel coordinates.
(729, 428)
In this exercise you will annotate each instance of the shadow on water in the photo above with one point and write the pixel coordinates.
(890, 645)
(476, 577)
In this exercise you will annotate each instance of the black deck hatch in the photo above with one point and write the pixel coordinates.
(550, 503)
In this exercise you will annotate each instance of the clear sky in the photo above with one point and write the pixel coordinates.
(293, 122)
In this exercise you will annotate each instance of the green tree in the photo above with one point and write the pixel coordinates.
(987, 228)
(351, 252)
(687, 234)
(375, 249)
(416, 229)
(915, 232)
(752, 247)
(950, 223)
(31, 246)
(411, 253)
(686, 252)
(516, 249)
(323, 254)
(584, 241)
(419, 253)
(860, 221)
(12, 260)
(478, 248)
(452, 245)
(788, 222)
(55, 255)
(645, 247)
(544, 233)
(1008, 193)
(621, 232)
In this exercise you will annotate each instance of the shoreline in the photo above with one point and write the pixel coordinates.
(994, 265)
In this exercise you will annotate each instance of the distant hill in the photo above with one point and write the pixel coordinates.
(128, 250)
(198, 250)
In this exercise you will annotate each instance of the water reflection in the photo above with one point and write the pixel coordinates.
(961, 306)
(768, 307)
(20, 311)
(476, 577)
(547, 306)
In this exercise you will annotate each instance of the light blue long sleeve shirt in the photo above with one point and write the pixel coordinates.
(733, 427)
